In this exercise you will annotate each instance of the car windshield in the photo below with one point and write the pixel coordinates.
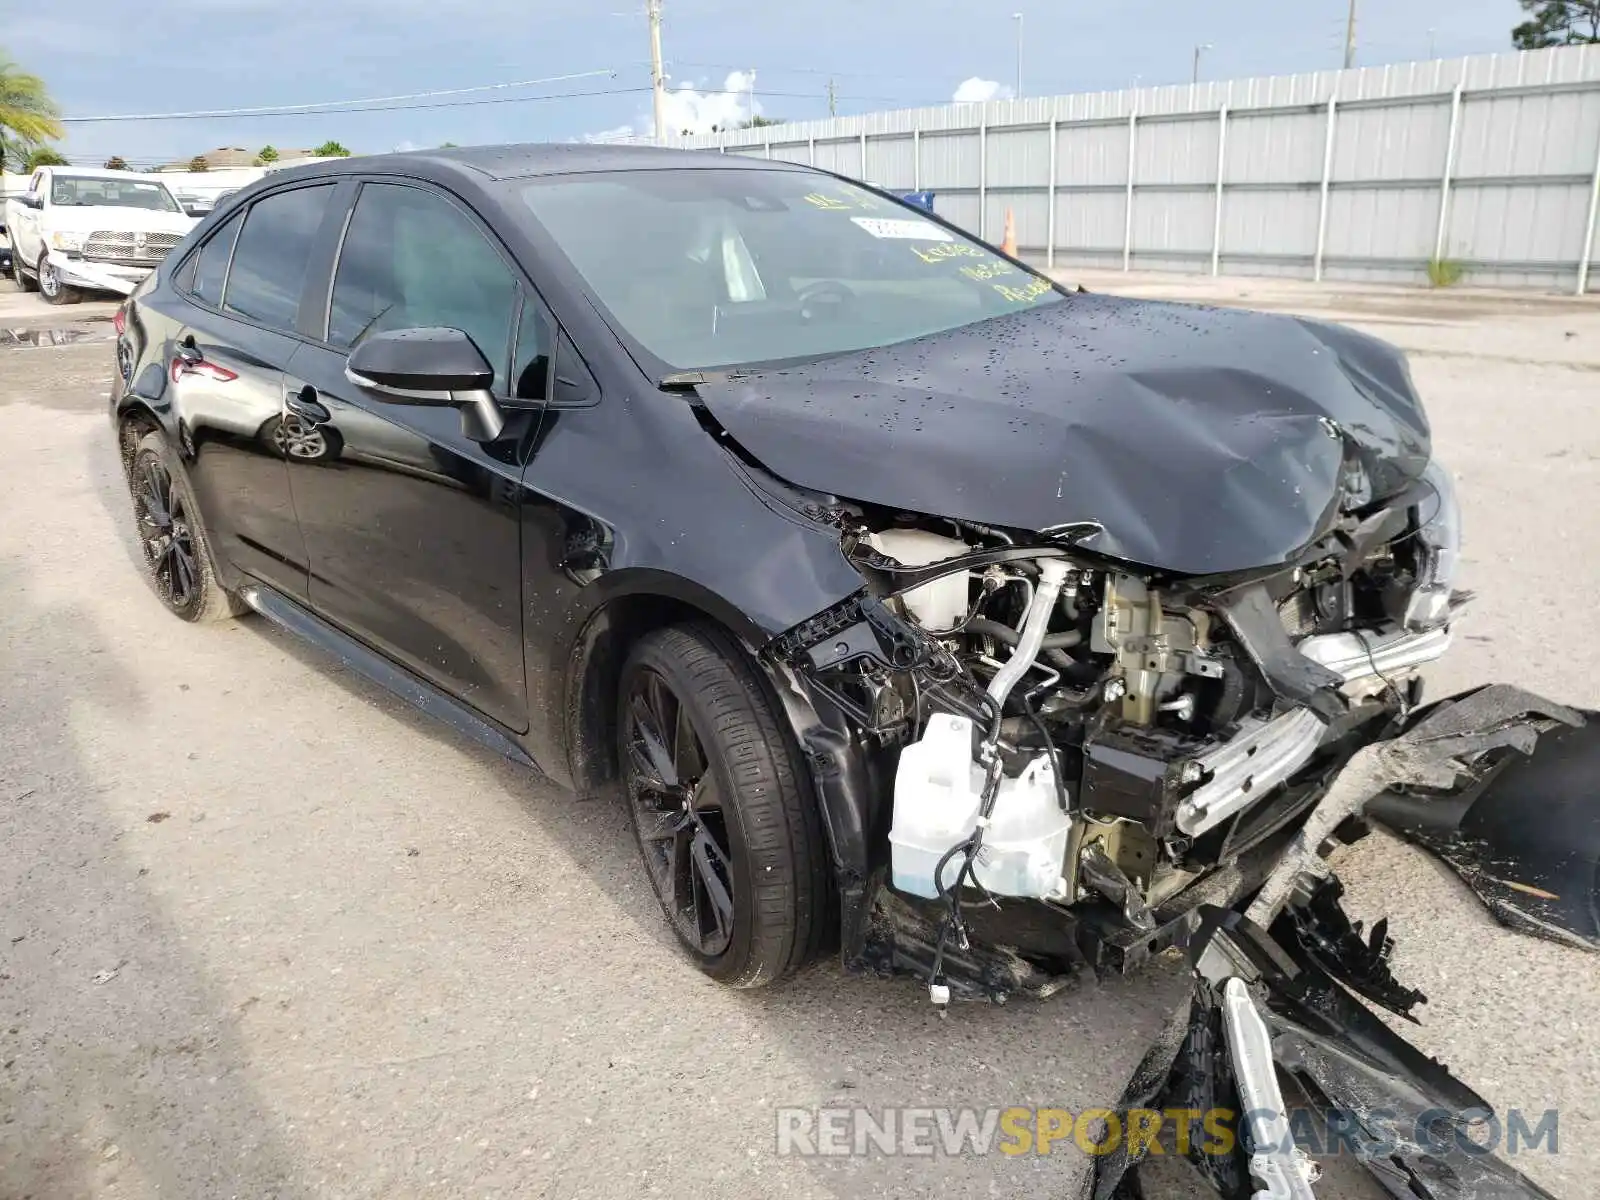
(79, 191)
(723, 268)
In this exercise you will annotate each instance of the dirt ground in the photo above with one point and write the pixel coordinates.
(266, 932)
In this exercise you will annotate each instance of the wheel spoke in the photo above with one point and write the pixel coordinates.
(649, 749)
(184, 573)
(711, 867)
(156, 493)
(687, 760)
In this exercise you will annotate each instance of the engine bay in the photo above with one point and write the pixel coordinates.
(1080, 737)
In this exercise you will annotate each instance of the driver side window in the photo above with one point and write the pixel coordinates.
(412, 259)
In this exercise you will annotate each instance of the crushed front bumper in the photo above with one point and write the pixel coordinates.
(1286, 973)
(96, 276)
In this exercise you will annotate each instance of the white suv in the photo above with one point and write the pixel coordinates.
(77, 228)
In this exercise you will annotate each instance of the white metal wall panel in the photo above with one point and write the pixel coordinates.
(1270, 223)
(1089, 155)
(1166, 221)
(1529, 135)
(1019, 158)
(1091, 221)
(1177, 151)
(843, 157)
(1376, 223)
(793, 152)
(1391, 143)
(889, 162)
(950, 161)
(1276, 147)
(959, 210)
(1518, 224)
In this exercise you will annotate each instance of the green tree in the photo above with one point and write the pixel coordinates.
(447, 145)
(43, 156)
(331, 150)
(269, 154)
(117, 163)
(760, 122)
(1557, 23)
(28, 116)
(199, 163)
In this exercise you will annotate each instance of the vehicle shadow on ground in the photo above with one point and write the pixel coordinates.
(119, 1059)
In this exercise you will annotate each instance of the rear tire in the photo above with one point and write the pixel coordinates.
(172, 537)
(721, 807)
(51, 287)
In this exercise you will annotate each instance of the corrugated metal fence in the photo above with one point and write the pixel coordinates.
(1491, 163)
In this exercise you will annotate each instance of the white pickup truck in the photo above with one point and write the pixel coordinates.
(78, 229)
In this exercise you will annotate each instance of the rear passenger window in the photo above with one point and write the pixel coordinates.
(272, 254)
(205, 276)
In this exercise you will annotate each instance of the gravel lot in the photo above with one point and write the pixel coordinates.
(265, 932)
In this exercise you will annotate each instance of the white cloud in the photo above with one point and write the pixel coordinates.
(619, 133)
(686, 109)
(689, 111)
(976, 91)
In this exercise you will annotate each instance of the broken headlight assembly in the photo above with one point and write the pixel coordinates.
(1438, 551)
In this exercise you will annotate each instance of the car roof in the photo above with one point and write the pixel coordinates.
(548, 158)
(102, 173)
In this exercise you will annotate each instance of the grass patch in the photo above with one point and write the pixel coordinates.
(1445, 272)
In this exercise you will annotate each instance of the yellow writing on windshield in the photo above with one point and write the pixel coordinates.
(830, 203)
(988, 270)
(944, 251)
(1028, 291)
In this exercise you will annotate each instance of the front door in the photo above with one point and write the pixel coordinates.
(411, 528)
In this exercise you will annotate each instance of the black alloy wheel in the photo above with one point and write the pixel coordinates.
(166, 535)
(721, 804)
(678, 809)
(171, 537)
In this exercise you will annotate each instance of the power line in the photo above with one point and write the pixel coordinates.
(292, 110)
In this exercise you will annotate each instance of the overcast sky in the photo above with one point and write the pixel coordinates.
(107, 56)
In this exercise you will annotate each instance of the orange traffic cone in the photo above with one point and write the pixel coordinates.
(1009, 244)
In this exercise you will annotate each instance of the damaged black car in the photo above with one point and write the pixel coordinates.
(923, 611)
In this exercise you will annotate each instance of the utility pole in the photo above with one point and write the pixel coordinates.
(1017, 17)
(1350, 38)
(658, 79)
(1198, 50)
(833, 106)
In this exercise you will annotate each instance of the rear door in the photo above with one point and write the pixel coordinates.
(237, 335)
(411, 528)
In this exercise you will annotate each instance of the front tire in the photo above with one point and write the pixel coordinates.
(18, 279)
(721, 807)
(51, 287)
(171, 537)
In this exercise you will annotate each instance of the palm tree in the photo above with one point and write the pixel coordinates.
(27, 114)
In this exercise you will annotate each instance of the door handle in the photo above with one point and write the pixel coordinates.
(305, 405)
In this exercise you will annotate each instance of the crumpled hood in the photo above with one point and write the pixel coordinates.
(1202, 440)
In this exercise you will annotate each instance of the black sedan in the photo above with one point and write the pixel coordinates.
(918, 607)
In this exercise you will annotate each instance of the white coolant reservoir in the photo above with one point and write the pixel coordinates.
(938, 789)
(937, 606)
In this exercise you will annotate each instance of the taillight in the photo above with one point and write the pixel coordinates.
(120, 321)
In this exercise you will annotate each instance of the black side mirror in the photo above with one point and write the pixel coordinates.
(439, 368)
(32, 200)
